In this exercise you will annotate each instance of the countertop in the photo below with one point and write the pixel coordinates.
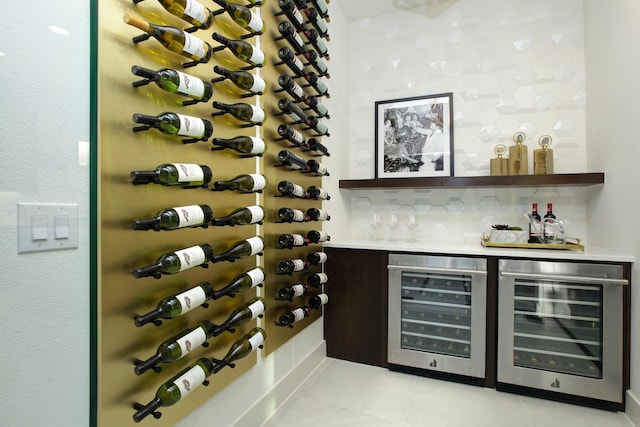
(475, 248)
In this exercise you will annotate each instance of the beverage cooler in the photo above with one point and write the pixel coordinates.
(437, 315)
(561, 330)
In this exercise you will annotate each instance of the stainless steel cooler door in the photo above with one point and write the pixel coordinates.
(560, 327)
(437, 313)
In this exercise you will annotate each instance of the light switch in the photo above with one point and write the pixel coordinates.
(61, 226)
(47, 227)
(39, 227)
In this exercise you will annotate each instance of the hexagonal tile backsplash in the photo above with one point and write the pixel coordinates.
(512, 66)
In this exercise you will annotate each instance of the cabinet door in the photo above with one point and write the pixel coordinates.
(355, 320)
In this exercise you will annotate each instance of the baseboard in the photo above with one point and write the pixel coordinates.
(278, 396)
(632, 408)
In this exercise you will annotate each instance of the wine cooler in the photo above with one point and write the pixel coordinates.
(561, 329)
(437, 315)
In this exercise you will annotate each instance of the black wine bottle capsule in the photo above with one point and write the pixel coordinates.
(195, 128)
(287, 188)
(242, 283)
(318, 301)
(174, 81)
(245, 183)
(316, 258)
(177, 305)
(317, 168)
(177, 261)
(289, 33)
(294, 316)
(317, 193)
(289, 58)
(174, 218)
(291, 135)
(316, 214)
(318, 236)
(241, 348)
(288, 241)
(287, 158)
(292, 88)
(288, 293)
(191, 11)
(241, 249)
(179, 174)
(291, 215)
(318, 279)
(317, 148)
(241, 216)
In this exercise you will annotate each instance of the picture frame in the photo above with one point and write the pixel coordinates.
(414, 137)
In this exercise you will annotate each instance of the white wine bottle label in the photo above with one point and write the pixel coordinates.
(298, 264)
(322, 215)
(296, 14)
(299, 191)
(298, 215)
(257, 308)
(258, 114)
(189, 215)
(298, 290)
(257, 56)
(192, 340)
(322, 257)
(256, 341)
(258, 85)
(258, 145)
(188, 172)
(298, 240)
(322, 194)
(256, 275)
(255, 23)
(259, 182)
(195, 10)
(191, 299)
(190, 380)
(256, 245)
(298, 314)
(322, 236)
(190, 85)
(194, 46)
(190, 126)
(321, 170)
(324, 298)
(191, 257)
(297, 136)
(322, 278)
(298, 39)
(297, 90)
(299, 65)
(257, 214)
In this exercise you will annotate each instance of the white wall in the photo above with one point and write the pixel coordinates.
(613, 67)
(44, 303)
(512, 66)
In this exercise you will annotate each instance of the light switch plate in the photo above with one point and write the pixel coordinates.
(47, 227)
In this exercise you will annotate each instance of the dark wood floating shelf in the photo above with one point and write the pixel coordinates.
(565, 179)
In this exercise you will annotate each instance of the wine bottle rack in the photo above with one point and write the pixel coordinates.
(119, 295)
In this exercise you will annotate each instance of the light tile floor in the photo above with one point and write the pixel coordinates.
(341, 393)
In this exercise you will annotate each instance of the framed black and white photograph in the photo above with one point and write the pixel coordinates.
(414, 137)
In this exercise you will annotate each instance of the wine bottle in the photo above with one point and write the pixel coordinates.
(174, 39)
(245, 183)
(317, 193)
(314, 39)
(316, 125)
(242, 16)
(316, 258)
(168, 123)
(289, 33)
(289, 58)
(314, 18)
(241, 283)
(321, 7)
(292, 135)
(548, 231)
(255, 3)
(315, 280)
(177, 261)
(292, 88)
(287, 158)
(291, 215)
(534, 232)
(294, 316)
(314, 60)
(316, 214)
(241, 249)
(176, 388)
(314, 81)
(241, 50)
(243, 79)
(191, 11)
(241, 111)
(247, 146)
(286, 188)
(242, 315)
(293, 14)
(174, 81)
(183, 174)
(291, 266)
(177, 305)
(318, 236)
(317, 148)
(288, 241)
(178, 217)
(317, 168)
(315, 105)
(176, 347)
(317, 301)
(241, 216)
(288, 293)
(294, 112)
(241, 348)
